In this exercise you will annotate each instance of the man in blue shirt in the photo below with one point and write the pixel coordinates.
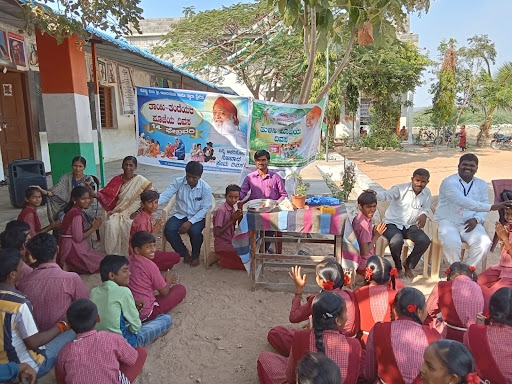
(193, 201)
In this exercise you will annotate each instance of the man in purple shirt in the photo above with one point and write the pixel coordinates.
(263, 184)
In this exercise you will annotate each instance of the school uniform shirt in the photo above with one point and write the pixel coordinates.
(192, 203)
(51, 291)
(269, 187)
(405, 206)
(18, 324)
(460, 201)
(144, 280)
(221, 217)
(115, 302)
(29, 215)
(94, 357)
(142, 222)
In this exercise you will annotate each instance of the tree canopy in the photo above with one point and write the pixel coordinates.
(248, 39)
(62, 18)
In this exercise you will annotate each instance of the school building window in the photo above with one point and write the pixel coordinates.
(106, 107)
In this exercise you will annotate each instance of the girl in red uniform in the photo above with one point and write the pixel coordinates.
(490, 343)
(448, 362)
(28, 214)
(329, 277)
(394, 351)
(500, 275)
(329, 315)
(459, 300)
(377, 296)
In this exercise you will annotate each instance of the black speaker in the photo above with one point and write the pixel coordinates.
(22, 174)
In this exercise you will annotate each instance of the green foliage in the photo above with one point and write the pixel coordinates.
(446, 89)
(71, 16)
(300, 186)
(379, 137)
(423, 118)
(348, 181)
(264, 59)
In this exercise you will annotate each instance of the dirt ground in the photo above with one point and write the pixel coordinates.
(221, 327)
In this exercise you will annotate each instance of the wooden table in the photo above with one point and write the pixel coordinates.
(250, 243)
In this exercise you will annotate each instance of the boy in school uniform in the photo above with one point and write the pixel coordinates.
(366, 233)
(96, 356)
(144, 222)
(146, 278)
(50, 289)
(117, 308)
(224, 219)
(21, 340)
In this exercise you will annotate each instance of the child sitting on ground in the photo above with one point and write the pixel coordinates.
(15, 236)
(376, 297)
(144, 222)
(146, 278)
(329, 277)
(366, 233)
(315, 368)
(96, 356)
(50, 289)
(75, 252)
(28, 214)
(224, 219)
(117, 308)
(459, 300)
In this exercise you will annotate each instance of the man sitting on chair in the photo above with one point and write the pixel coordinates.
(461, 210)
(406, 217)
(193, 200)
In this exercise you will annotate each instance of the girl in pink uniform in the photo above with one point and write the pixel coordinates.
(329, 277)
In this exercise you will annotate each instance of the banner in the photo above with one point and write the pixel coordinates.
(177, 126)
(289, 132)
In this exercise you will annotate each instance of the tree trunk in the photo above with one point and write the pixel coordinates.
(484, 134)
(305, 91)
(340, 68)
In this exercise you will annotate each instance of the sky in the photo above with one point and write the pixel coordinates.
(458, 19)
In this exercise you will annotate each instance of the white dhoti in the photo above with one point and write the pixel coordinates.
(451, 237)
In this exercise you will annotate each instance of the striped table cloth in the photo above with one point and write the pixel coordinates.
(303, 221)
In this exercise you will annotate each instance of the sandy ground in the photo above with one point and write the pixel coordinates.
(221, 327)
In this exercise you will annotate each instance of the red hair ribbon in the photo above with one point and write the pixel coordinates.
(472, 378)
(328, 285)
(346, 280)
(448, 272)
(472, 268)
(394, 272)
(368, 273)
(411, 308)
(487, 315)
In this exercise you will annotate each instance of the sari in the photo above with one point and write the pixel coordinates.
(62, 194)
(120, 201)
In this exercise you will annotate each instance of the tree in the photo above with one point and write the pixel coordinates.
(249, 40)
(339, 23)
(492, 94)
(443, 103)
(62, 18)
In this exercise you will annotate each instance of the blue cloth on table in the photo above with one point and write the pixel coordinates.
(322, 200)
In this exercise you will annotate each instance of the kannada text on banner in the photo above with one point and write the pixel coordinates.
(289, 132)
(177, 126)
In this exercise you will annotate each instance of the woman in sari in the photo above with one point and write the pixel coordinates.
(120, 198)
(60, 194)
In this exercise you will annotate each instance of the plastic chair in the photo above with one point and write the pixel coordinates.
(498, 186)
(436, 249)
(382, 242)
(98, 206)
(205, 247)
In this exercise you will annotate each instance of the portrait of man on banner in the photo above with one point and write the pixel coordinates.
(177, 126)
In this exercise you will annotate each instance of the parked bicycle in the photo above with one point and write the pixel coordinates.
(500, 141)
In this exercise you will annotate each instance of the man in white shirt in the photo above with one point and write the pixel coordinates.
(461, 210)
(406, 217)
(193, 201)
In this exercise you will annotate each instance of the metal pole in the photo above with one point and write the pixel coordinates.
(97, 111)
(326, 108)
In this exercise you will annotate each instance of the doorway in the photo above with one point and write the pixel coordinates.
(15, 140)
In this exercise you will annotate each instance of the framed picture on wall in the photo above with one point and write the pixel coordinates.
(102, 71)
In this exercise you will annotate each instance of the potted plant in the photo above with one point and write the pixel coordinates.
(300, 188)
